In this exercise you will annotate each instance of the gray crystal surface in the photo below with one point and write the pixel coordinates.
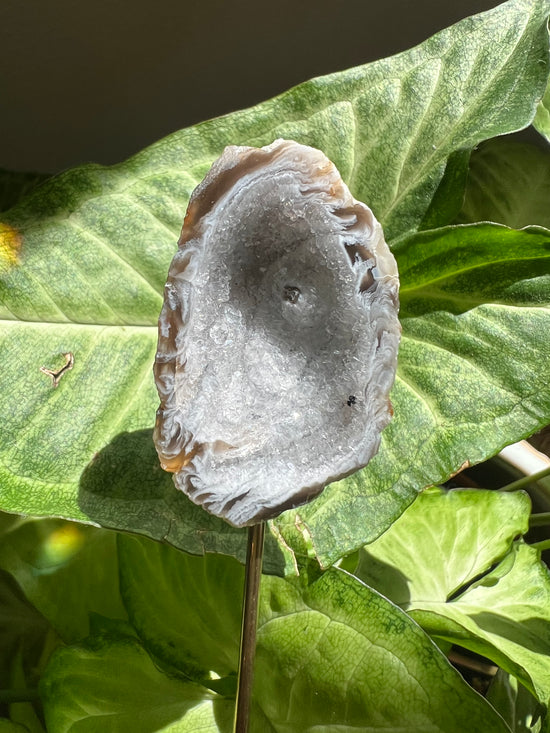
(278, 336)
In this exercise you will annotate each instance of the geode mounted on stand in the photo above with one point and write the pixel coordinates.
(278, 336)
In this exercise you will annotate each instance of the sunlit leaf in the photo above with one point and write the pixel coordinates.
(434, 561)
(325, 651)
(457, 535)
(516, 704)
(475, 311)
(84, 260)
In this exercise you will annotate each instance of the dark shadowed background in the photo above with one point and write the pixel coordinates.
(97, 81)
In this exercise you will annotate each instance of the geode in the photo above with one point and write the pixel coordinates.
(278, 336)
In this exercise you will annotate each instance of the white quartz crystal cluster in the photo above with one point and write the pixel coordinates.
(278, 337)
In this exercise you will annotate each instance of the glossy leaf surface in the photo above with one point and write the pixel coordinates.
(474, 311)
(452, 562)
(84, 260)
(325, 650)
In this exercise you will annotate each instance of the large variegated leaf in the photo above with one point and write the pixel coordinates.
(83, 261)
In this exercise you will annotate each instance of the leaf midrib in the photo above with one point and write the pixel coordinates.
(465, 270)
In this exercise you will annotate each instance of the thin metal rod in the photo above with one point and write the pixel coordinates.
(253, 574)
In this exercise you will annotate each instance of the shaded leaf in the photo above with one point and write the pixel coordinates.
(508, 183)
(456, 269)
(7, 726)
(504, 616)
(66, 570)
(187, 610)
(450, 560)
(542, 117)
(135, 696)
(449, 196)
(15, 185)
(85, 259)
(125, 487)
(24, 712)
(516, 704)
(22, 629)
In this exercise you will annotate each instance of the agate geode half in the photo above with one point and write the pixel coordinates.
(278, 336)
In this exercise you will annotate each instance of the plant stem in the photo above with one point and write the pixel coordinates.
(526, 480)
(543, 545)
(539, 520)
(7, 697)
(253, 574)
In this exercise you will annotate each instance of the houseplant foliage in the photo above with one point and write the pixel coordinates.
(92, 618)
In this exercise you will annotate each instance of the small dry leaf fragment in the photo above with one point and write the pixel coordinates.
(56, 374)
(278, 336)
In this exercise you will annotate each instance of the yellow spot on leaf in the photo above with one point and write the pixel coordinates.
(10, 244)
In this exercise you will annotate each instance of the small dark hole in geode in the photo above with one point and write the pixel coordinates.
(291, 293)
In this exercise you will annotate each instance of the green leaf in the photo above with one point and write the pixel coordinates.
(516, 705)
(434, 561)
(25, 712)
(470, 376)
(325, 649)
(14, 186)
(66, 570)
(504, 616)
(454, 270)
(124, 487)
(187, 610)
(508, 183)
(389, 126)
(442, 542)
(85, 258)
(111, 684)
(22, 630)
(7, 726)
(542, 117)
(206, 717)
(449, 197)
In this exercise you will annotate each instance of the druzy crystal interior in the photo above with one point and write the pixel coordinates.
(278, 336)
